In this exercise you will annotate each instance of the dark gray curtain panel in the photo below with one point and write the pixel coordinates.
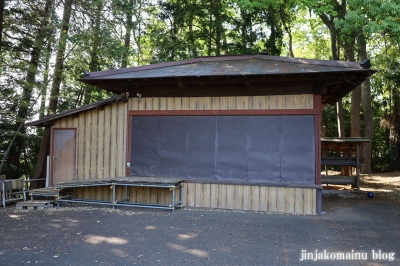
(277, 149)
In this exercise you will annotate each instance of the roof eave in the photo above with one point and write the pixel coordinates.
(333, 63)
(48, 121)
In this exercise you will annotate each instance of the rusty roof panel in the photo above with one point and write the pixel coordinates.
(227, 68)
(338, 77)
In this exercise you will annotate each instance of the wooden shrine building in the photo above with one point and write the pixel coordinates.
(243, 132)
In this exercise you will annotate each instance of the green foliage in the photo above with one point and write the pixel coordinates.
(185, 29)
(177, 30)
(311, 37)
(329, 119)
(387, 106)
(24, 33)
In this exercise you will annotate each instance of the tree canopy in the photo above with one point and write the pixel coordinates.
(45, 47)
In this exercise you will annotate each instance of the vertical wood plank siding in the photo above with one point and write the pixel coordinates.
(101, 146)
(303, 101)
(251, 198)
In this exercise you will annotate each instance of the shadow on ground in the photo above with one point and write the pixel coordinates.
(86, 235)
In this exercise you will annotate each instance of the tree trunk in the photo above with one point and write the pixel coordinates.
(346, 170)
(286, 19)
(291, 54)
(25, 102)
(40, 169)
(55, 88)
(367, 110)
(192, 48)
(225, 43)
(339, 117)
(94, 62)
(355, 112)
(395, 122)
(127, 39)
(209, 41)
(2, 2)
(137, 26)
(42, 109)
(218, 26)
(368, 127)
(330, 24)
(335, 55)
(329, 21)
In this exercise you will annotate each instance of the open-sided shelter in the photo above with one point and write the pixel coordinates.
(242, 131)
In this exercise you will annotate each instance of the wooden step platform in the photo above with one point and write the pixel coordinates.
(34, 205)
(44, 192)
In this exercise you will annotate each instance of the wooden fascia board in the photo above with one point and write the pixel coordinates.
(263, 112)
(214, 91)
(328, 78)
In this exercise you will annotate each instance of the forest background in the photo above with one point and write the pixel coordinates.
(46, 45)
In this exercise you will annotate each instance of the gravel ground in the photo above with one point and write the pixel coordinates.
(87, 235)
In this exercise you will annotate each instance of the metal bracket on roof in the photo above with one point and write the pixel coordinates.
(366, 64)
(125, 94)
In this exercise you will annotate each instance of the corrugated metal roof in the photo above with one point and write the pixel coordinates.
(228, 66)
(241, 75)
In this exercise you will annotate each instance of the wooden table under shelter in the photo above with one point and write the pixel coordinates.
(342, 152)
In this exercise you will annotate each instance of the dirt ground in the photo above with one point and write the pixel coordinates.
(383, 185)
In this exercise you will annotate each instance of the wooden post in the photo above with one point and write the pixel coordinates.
(358, 166)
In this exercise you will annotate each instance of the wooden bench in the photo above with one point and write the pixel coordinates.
(340, 161)
(339, 180)
(343, 152)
